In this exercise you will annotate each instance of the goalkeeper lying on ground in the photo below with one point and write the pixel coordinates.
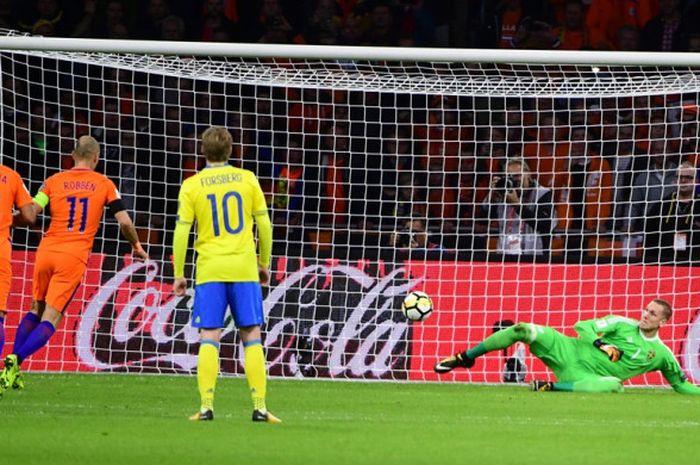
(607, 352)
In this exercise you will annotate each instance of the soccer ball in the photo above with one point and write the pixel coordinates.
(417, 306)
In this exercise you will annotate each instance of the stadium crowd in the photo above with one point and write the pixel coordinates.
(352, 169)
(664, 25)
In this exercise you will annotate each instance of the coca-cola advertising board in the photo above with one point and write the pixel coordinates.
(339, 319)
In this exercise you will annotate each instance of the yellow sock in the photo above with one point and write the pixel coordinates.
(256, 373)
(207, 371)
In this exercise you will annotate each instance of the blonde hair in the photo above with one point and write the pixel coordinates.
(217, 144)
(86, 147)
(519, 161)
(668, 311)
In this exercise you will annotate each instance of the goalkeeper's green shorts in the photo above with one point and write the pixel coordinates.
(561, 353)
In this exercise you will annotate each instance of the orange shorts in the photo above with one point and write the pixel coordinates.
(56, 278)
(5, 282)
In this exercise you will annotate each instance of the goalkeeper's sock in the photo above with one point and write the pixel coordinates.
(26, 326)
(207, 372)
(498, 340)
(255, 373)
(595, 385)
(36, 340)
(2, 333)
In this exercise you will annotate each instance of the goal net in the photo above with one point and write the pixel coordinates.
(507, 192)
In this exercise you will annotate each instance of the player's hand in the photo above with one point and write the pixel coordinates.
(264, 273)
(179, 286)
(138, 251)
(512, 197)
(613, 353)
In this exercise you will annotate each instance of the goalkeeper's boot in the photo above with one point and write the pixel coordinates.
(450, 363)
(265, 417)
(206, 415)
(18, 384)
(9, 374)
(540, 386)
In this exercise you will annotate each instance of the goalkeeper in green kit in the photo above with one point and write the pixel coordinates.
(607, 352)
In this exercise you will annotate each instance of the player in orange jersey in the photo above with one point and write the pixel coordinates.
(77, 197)
(13, 194)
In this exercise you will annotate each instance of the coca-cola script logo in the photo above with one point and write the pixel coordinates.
(691, 349)
(324, 318)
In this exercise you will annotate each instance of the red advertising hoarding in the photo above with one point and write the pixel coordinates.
(469, 298)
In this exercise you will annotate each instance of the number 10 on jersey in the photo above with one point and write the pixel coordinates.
(225, 207)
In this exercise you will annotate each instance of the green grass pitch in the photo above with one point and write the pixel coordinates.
(123, 419)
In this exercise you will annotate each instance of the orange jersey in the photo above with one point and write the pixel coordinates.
(13, 192)
(77, 198)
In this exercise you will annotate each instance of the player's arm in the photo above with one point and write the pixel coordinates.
(675, 376)
(264, 226)
(262, 221)
(127, 228)
(183, 225)
(594, 332)
(25, 215)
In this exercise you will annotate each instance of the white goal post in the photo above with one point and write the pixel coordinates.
(379, 166)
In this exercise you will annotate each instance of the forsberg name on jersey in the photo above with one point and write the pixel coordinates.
(223, 178)
(79, 186)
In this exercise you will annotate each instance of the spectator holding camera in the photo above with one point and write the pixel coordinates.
(672, 226)
(523, 209)
(413, 235)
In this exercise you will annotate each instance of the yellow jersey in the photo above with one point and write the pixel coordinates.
(224, 201)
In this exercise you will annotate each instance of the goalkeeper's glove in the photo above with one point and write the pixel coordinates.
(613, 353)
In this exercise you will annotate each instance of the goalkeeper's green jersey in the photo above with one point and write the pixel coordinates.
(641, 354)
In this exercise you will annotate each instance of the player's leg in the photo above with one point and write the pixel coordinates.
(56, 281)
(36, 339)
(5, 281)
(603, 384)
(2, 330)
(520, 332)
(245, 300)
(208, 314)
(207, 372)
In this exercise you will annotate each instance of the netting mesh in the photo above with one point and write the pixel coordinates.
(380, 178)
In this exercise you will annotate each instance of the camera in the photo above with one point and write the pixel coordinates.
(404, 239)
(506, 184)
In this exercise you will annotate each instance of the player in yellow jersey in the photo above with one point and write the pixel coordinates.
(224, 201)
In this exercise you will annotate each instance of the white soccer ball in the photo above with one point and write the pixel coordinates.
(417, 306)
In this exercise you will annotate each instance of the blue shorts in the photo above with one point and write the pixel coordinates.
(211, 300)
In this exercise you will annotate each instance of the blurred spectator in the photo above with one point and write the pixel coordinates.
(416, 23)
(655, 181)
(271, 25)
(288, 186)
(441, 200)
(382, 28)
(111, 21)
(672, 229)
(324, 25)
(413, 235)
(8, 15)
(574, 35)
(523, 210)
(627, 39)
(690, 129)
(172, 28)
(335, 175)
(693, 44)
(149, 23)
(589, 188)
(605, 18)
(215, 23)
(504, 20)
(534, 34)
(662, 32)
